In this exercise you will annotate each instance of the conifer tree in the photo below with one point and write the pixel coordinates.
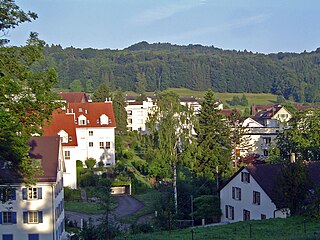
(213, 140)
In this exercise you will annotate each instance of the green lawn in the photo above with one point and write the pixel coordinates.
(83, 207)
(275, 229)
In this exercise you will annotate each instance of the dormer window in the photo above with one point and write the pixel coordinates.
(82, 120)
(70, 138)
(80, 109)
(63, 136)
(104, 120)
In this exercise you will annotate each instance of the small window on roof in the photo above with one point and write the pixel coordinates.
(104, 120)
(80, 109)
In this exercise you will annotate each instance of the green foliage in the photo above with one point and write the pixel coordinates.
(102, 93)
(26, 99)
(292, 185)
(207, 207)
(90, 163)
(11, 16)
(119, 104)
(76, 86)
(71, 194)
(302, 138)
(89, 86)
(88, 179)
(213, 140)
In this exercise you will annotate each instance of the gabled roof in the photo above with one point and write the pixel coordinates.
(46, 149)
(61, 121)
(249, 122)
(74, 97)
(266, 175)
(92, 111)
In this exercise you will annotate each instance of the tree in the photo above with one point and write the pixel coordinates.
(169, 131)
(213, 140)
(11, 16)
(89, 86)
(141, 83)
(76, 86)
(302, 137)
(120, 112)
(102, 93)
(244, 100)
(26, 101)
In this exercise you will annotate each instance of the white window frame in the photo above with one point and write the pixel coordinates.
(32, 193)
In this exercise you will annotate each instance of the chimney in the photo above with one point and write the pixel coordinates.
(292, 157)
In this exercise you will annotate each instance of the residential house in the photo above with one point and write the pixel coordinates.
(37, 211)
(137, 114)
(87, 131)
(271, 116)
(250, 194)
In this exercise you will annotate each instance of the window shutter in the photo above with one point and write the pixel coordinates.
(0, 217)
(25, 217)
(242, 176)
(14, 217)
(226, 211)
(24, 193)
(239, 193)
(233, 193)
(232, 213)
(40, 217)
(39, 193)
(13, 194)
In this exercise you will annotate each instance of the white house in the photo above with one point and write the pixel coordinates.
(137, 114)
(250, 194)
(87, 131)
(34, 212)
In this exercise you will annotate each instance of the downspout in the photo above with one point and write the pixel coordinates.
(53, 223)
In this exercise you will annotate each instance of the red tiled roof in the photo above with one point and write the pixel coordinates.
(62, 121)
(74, 97)
(92, 111)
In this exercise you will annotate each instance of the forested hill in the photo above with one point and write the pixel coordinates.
(152, 67)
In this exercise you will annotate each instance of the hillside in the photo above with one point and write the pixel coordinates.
(153, 67)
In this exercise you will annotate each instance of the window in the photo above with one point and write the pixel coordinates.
(245, 177)
(8, 218)
(7, 237)
(32, 217)
(129, 121)
(90, 133)
(31, 193)
(80, 109)
(129, 113)
(265, 153)
(256, 197)
(90, 144)
(236, 193)
(82, 122)
(107, 145)
(101, 144)
(229, 212)
(246, 215)
(267, 140)
(70, 138)
(263, 216)
(33, 236)
(7, 194)
(66, 154)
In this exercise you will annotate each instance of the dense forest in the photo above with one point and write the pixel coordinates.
(153, 67)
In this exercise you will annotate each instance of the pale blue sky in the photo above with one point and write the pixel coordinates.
(256, 25)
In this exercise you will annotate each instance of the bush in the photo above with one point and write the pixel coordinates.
(90, 163)
(141, 228)
(100, 164)
(79, 163)
(88, 179)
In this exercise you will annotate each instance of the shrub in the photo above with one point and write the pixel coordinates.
(100, 164)
(88, 179)
(90, 163)
(79, 163)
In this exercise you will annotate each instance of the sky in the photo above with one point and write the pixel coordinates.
(264, 26)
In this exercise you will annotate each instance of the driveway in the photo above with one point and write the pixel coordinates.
(127, 205)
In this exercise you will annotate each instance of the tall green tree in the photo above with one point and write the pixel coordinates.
(102, 93)
(119, 109)
(302, 137)
(76, 86)
(213, 140)
(26, 101)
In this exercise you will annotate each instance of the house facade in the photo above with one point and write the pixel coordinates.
(87, 130)
(249, 195)
(34, 212)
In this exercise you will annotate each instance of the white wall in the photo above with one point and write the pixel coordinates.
(139, 115)
(266, 207)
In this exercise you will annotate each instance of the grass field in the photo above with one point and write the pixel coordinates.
(295, 228)
(253, 98)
